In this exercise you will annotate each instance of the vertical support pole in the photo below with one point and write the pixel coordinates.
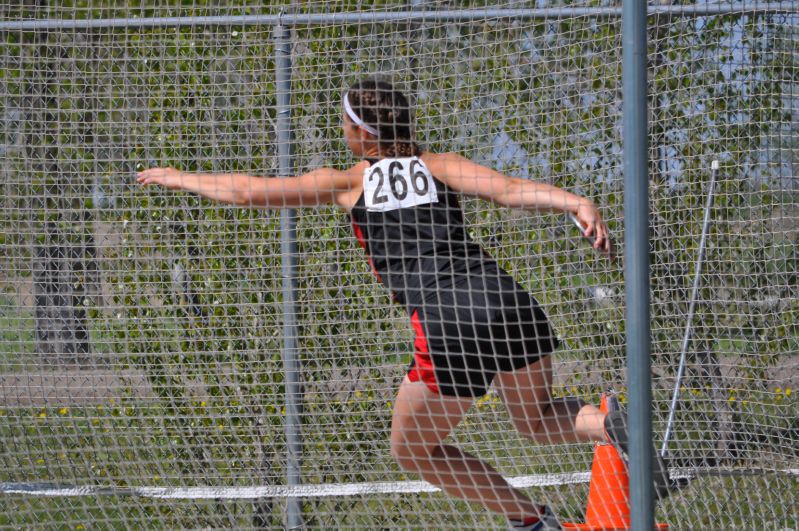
(288, 249)
(636, 254)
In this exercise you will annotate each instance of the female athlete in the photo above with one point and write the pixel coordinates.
(474, 324)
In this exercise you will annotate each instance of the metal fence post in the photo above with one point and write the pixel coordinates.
(636, 254)
(288, 248)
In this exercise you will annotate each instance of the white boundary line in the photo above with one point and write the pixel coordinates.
(333, 489)
(276, 491)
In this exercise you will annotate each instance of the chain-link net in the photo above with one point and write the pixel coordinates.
(142, 342)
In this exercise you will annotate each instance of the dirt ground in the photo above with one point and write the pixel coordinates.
(60, 387)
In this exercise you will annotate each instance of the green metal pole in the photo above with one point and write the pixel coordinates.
(636, 255)
(288, 249)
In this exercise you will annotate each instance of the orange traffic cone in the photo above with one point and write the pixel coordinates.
(608, 506)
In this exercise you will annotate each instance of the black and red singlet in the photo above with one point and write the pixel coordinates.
(470, 317)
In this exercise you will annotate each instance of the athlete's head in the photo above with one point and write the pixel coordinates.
(375, 112)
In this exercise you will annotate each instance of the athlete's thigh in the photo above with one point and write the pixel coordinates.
(526, 392)
(424, 418)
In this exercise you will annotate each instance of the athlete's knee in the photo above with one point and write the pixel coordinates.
(533, 425)
(532, 429)
(411, 455)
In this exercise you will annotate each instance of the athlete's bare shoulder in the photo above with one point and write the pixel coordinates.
(353, 186)
(443, 165)
(441, 159)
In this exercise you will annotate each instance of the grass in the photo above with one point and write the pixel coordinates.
(128, 444)
(748, 503)
(17, 341)
(124, 443)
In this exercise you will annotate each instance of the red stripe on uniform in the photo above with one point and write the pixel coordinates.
(359, 235)
(423, 364)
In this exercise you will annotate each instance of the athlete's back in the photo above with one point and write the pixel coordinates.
(470, 317)
(411, 225)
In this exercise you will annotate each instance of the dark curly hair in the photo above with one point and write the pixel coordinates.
(386, 109)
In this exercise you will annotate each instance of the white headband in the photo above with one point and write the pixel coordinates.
(357, 119)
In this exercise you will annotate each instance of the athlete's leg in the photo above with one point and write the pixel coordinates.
(422, 420)
(527, 394)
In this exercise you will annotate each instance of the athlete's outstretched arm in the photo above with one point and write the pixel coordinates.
(314, 188)
(470, 178)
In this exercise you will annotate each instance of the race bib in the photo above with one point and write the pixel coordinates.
(391, 184)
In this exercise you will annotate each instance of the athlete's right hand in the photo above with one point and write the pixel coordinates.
(167, 177)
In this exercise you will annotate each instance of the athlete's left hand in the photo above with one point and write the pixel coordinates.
(169, 178)
(594, 226)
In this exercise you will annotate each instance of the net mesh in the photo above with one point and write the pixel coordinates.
(142, 379)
